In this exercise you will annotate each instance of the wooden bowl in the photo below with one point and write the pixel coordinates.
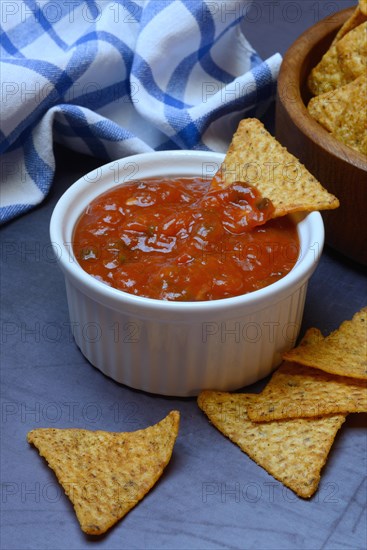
(340, 169)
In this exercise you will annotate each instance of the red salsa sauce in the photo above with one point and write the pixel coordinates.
(180, 239)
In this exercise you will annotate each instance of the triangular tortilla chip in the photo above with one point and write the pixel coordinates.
(363, 6)
(343, 352)
(331, 108)
(257, 158)
(330, 73)
(292, 451)
(357, 17)
(351, 126)
(105, 474)
(296, 391)
(343, 113)
(326, 76)
(352, 52)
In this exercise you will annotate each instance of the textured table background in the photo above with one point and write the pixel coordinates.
(211, 495)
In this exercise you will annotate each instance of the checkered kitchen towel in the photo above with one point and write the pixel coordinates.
(111, 78)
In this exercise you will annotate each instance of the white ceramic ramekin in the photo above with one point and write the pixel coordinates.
(178, 348)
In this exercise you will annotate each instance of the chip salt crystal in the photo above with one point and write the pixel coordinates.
(105, 474)
(256, 157)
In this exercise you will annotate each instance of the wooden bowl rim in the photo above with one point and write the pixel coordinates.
(297, 110)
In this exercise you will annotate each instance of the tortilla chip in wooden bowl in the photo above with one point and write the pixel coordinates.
(340, 168)
(343, 113)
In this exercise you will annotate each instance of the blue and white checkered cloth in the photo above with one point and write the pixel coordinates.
(111, 78)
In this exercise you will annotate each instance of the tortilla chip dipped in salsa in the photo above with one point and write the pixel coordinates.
(191, 239)
(256, 157)
(106, 474)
